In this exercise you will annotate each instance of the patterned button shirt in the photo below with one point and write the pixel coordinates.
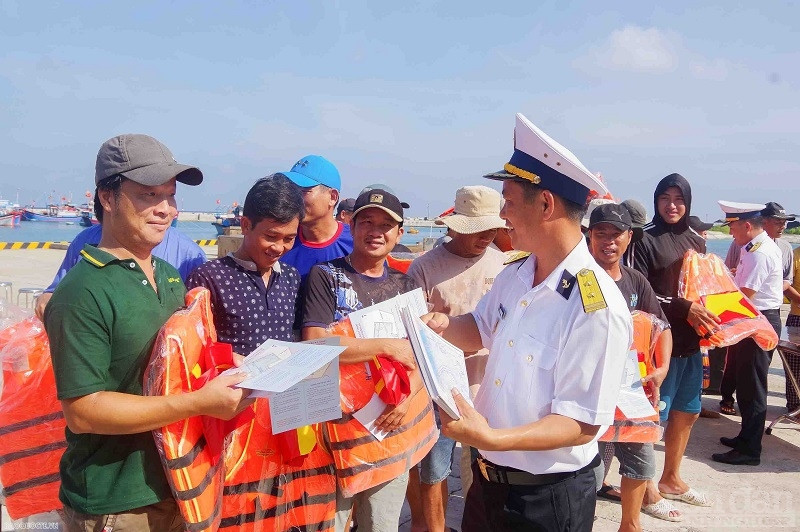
(246, 312)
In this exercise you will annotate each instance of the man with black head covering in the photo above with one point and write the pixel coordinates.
(659, 256)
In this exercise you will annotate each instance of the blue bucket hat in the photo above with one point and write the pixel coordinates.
(313, 170)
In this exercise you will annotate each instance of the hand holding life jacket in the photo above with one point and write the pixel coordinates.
(362, 461)
(705, 280)
(232, 473)
(31, 420)
(646, 330)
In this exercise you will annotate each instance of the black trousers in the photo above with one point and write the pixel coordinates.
(716, 359)
(564, 506)
(750, 365)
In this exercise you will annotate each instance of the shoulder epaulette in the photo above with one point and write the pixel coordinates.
(591, 294)
(516, 256)
(751, 247)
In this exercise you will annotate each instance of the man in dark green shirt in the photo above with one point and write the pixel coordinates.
(102, 322)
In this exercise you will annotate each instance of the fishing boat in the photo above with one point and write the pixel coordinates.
(10, 220)
(53, 214)
(223, 223)
(88, 219)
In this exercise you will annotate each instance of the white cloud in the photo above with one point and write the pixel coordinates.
(713, 70)
(636, 49)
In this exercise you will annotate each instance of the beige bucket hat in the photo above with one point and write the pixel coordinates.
(477, 209)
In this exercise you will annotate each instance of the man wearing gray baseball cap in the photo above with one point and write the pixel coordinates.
(102, 321)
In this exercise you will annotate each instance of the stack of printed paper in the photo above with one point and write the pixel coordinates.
(440, 363)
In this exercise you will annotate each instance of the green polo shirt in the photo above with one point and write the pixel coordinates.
(102, 322)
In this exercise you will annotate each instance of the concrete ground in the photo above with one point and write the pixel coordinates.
(751, 498)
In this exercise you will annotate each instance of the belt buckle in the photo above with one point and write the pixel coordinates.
(482, 467)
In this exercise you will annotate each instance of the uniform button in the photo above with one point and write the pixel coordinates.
(497, 382)
(529, 358)
(144, 281)
(511, 343)
(524, 303)
(133, 265)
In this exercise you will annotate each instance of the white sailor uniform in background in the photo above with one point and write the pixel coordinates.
(760, 268)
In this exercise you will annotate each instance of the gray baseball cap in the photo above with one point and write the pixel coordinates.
(142, 159)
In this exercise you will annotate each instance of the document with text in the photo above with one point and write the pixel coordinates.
(276, 366)
(632, 400)
(441, 364)
(383, 320)
(311, 371)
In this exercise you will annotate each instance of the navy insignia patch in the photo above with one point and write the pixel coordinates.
(566, 284)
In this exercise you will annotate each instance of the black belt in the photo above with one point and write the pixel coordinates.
(509, 475)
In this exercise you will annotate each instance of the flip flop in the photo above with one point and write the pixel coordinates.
(727, 408)
(606, 493)
(690, 496)
(661, 510)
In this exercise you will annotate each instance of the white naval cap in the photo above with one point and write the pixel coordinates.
(543, 161)
(740, 211)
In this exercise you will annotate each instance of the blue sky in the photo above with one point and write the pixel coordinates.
(420, 96)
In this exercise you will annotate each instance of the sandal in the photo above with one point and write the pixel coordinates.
(727, 408)
(610, 493)
(690, 496)
(662, 510)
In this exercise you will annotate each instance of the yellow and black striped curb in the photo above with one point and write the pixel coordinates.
(33, 245)
(64, 244)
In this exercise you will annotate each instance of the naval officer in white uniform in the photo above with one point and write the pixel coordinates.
(759, 275)
(558, 333)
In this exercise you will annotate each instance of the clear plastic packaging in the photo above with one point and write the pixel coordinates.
(362, 461)
(706, 280)
(646, 331)
(31, 420)
(233, 475)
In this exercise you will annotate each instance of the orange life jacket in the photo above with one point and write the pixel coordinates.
(705, 280)
(265, 491)
(646, 329)
(362, 461)
(31, 422)
(401, 261)
(232, 474)
(194, 470)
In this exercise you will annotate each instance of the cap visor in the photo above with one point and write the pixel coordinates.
(300, 180)
(158, 174)
(502, 175)
(619, 225)
(390, 212)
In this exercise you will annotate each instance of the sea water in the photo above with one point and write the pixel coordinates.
(58, 232)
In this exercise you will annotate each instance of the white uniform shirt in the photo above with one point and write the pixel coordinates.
(549, 356)
(761, 269)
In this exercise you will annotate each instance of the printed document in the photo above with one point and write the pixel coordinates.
(312, 400)
(632, 400)
(441, 364)
(276, 366)
(382, 320)
(369, 414)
